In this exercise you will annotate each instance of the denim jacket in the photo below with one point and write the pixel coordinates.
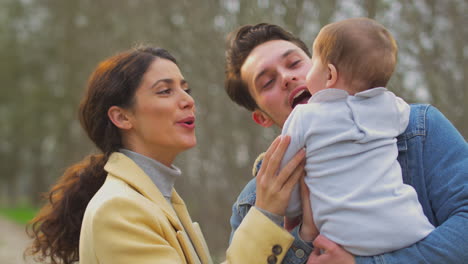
(434, 160)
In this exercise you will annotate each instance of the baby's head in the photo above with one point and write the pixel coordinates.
(359, 51)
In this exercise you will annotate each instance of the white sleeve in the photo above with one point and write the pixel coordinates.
(404, 110)
(293, 128)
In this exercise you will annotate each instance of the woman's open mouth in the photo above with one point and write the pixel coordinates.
(188, 122)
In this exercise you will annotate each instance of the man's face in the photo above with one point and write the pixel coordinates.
(275, 73)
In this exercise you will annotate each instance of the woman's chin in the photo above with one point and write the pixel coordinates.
(190, 144)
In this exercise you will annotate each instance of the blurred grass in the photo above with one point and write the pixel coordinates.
(20, 215)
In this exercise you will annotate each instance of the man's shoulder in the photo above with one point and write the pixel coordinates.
(257, 164)
(417, 122)
(248, 194)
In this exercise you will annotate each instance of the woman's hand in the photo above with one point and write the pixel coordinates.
(328, 252)
(273, 187)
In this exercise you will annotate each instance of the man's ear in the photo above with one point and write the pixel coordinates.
(261, 118)
(119, 117)
(332, 76)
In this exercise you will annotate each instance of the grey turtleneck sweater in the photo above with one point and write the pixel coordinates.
(162, 176)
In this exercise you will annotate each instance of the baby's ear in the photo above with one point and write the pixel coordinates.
(332, 76)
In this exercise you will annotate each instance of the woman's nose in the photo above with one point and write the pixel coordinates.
(187, 101)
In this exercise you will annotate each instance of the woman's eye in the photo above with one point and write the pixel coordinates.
(188, 90)
(165, 91)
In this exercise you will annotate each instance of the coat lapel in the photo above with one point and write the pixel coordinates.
(122, 167)
(192, 229)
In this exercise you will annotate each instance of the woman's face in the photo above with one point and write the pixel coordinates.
(163, 114)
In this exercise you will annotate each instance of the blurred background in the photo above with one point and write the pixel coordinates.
(48, 48)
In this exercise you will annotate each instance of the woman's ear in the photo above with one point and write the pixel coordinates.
(262, 118)
(119, 117)
(332, 76)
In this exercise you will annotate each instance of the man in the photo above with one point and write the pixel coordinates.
(266, 68)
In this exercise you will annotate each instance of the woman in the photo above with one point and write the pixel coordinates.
(120, 206)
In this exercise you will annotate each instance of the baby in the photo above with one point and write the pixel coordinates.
(349, 128)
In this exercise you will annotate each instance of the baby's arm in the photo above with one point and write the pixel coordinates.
(293, 128)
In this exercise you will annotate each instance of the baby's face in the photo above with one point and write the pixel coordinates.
(318, 74)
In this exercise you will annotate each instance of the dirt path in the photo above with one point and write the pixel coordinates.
(13, 241)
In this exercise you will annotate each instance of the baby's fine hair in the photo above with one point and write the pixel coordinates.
(362, 50)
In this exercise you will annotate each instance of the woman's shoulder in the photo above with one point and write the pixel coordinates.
(115, 199)
(117, 214)
(113, 188)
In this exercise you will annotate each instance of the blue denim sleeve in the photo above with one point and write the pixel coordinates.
(445, 166)
(242, 206)
(299, 251)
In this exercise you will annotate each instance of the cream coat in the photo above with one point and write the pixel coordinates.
(129, 221)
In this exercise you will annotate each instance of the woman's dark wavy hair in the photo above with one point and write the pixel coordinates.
(56, 228)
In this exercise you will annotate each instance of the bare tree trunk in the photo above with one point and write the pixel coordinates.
(326, 10)
(371, 8)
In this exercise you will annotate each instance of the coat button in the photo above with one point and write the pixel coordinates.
(300, 253)
(272, 259)
(277, 249)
